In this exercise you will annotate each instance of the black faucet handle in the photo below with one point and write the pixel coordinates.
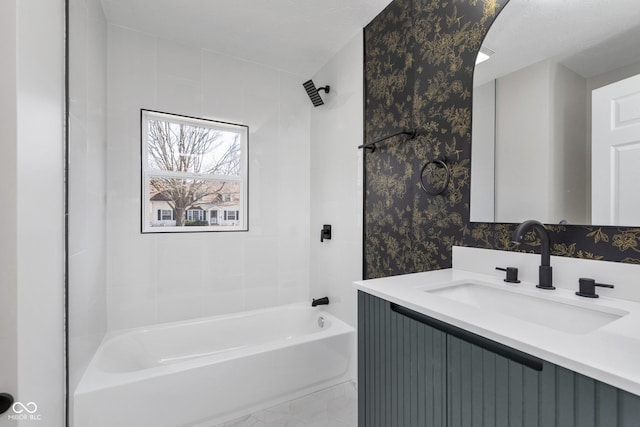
(512, 274)
(588, 287)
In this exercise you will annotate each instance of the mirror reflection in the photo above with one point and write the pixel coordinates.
(556, 114)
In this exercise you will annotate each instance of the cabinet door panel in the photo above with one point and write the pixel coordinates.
(513, 395)
(486, 389)
(548, 402)
(501, 372)
(585, 403)
(487, 401)
(413, 374)
(533, 382)
(477, 382)
(630, 408)
(565, 397)
(607, 413)
(401, 371)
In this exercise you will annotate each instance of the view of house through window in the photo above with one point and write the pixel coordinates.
(194, 174)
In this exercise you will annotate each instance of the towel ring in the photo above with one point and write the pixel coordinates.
(441, 165)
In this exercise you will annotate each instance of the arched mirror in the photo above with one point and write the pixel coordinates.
(556, 114)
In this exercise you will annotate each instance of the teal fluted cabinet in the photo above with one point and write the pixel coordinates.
(414, 371)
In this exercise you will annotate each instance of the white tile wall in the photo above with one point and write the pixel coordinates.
(223, 96)
(9, 191)
(336, 181)
(87, 183)
(159, 278)
(38, 168)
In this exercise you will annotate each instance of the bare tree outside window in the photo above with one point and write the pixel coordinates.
(193, 164)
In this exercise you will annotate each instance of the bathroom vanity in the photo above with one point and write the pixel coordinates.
(460, 347)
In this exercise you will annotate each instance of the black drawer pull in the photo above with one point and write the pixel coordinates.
(487, 344)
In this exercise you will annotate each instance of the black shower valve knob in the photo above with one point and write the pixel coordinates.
(325, 233)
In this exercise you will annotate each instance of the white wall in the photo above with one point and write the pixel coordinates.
(483, 133)
(155, 278)
(612, 76)
(541, 145)
(87, 183)
(336, 181)
(32, 167)
(572, 185)
(522, 151)
(8, 189)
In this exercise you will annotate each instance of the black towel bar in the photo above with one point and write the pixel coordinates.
(372, 145)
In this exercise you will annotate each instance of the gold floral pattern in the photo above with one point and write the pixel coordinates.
(626, 240)
(419, 60)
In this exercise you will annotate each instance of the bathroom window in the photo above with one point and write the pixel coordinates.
(192, 169)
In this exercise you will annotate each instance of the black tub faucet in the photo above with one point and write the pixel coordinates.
(320, 301)
(545, 280)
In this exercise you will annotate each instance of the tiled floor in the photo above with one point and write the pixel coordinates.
(333, 407)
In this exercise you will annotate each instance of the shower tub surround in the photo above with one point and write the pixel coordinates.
(213, 369)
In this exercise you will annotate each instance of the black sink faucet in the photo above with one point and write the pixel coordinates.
(545, 280)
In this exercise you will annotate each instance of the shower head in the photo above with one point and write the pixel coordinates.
(312, 91)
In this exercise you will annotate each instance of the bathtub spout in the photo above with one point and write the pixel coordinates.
(320, 301)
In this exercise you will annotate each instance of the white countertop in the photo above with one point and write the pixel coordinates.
(610, 354)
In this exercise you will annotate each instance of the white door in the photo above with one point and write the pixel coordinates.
(615, 153)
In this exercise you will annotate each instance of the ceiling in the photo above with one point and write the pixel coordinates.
(298, 36)
(590, 37)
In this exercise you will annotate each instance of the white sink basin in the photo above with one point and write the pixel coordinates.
(554, 312)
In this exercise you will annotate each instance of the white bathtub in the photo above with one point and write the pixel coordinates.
(213, 369)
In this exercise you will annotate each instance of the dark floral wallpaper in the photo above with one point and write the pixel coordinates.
(419, 59)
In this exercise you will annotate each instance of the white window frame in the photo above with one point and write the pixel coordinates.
(242, 180)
